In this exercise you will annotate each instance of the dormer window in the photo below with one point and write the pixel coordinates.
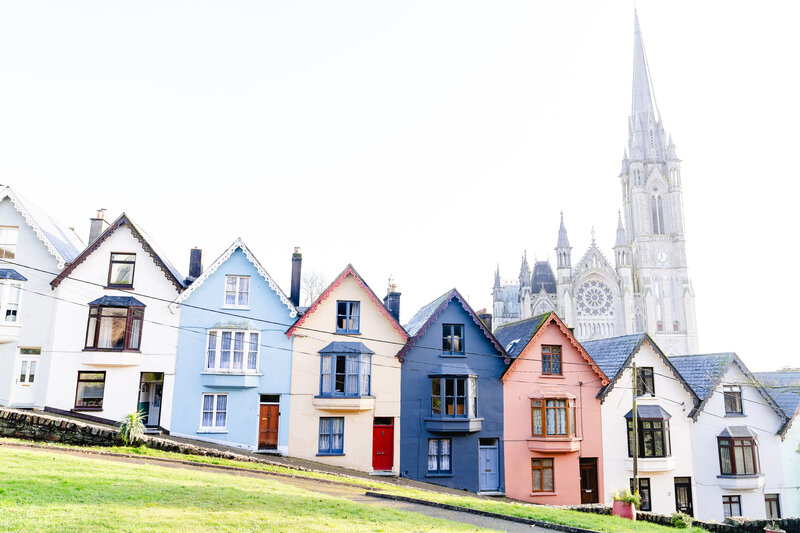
(453, 338)
(120, 270)
(237, 291)
(348, 317)
(733, 399)
(8, 242)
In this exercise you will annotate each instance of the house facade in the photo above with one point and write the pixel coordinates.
(552, 418)
(735, 439)
(346, 379)
(115, 338)
(451, 424)
(233, 368)
(33, 249)
(665, 402)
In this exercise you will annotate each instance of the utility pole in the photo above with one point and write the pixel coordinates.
(635, 437)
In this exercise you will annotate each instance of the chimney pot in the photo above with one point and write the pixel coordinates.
(97, 225)
(392, 300)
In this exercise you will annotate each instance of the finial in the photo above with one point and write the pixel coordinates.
(592, 235)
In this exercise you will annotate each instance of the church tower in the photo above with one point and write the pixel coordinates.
(654, 230)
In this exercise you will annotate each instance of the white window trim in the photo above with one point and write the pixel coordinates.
(6, 286)
(238, 282)
(213, 428)
(218, 349)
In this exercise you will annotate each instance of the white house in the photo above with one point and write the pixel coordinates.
(664, 403)
(33, 249)
(115, 338)
(735, 439)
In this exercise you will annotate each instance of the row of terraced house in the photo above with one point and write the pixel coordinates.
(223, 355)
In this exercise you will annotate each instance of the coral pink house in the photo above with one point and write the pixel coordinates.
(553, 437)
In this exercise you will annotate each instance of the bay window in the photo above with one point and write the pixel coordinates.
(653, 430)
(232, 351)
(553, 417)
(10, 294)
(346, 374)
(737, 456)
(454, 396)
(113, 326)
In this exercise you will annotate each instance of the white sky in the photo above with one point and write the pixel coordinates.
(426, 140)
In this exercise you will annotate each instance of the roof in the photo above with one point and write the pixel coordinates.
(649, 412)
(737, 431)
(543, 277)
(346, 347)
(117, 301)
(420, 322)
(61, 241)
(147, 243)
(784, 387)
(348, 271)
(10, 273)
(238, 244)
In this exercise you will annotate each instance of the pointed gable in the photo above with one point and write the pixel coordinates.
(594, 260)
(238, 244)
(349, 271)
(148, 244)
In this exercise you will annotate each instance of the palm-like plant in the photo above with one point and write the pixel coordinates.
(131, 427)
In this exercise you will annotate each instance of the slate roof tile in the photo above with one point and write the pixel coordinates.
(516, 335)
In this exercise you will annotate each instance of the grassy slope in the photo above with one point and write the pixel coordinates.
(45, 492)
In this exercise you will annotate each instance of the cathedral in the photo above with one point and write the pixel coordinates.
(648, 286)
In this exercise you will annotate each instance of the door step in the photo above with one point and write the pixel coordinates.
(152, 431)
(384, 473)
(276, 453)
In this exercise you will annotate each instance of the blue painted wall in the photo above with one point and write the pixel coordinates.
(420, 362)
(275, 357)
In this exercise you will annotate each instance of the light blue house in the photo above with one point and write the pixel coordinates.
(233, 369)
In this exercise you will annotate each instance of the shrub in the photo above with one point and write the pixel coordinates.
(681, 520)
(626, 496)
(131, 428)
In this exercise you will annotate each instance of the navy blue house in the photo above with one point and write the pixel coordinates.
(451, 422)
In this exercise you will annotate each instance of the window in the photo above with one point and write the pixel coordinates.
(454, 397)
(773, 504)
(90, 390)
(453, 338)
(215, 412)
(551, 360)
(11, 296)
(653, 438)
(345, 374)
(120, 270)
(644, 492)
(331, 436)
(347, 317)
(731, 506)
(737, 457)
(439, 456)
(8, 241)
(237, 291)
(644, 381)
(676, 326)
(733, 399)
(657, 209)
(232, 351)
(553, 417)
(114, 328)
(542, 475)
(27, 369)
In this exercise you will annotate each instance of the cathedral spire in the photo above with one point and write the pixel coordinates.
(563, 249)
(524, 271)
(647, 139)
(497, 277)
(643, 95)
(622, 240)
(671, 149)
(563, 241)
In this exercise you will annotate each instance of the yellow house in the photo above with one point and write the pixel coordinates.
(346, 379)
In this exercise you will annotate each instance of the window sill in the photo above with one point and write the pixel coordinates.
(81, 409)
(345, 332)
(206, 430)
(453, 354)
(553, 376)
(544, 493)
(111, 350)
(735, 415)
(439, 475)
(118, 287)
(330, 454)
(239, 307)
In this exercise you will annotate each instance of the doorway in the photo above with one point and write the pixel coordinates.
(383, 443)
(151, 388)
(683, 495)
(269, 414)
(589, 493)
(488, 465)
(25, 392)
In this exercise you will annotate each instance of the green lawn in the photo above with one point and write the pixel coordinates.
(41, 491)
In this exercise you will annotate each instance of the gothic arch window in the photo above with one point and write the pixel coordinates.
(639, 320)
(657, 212)
(542, 306)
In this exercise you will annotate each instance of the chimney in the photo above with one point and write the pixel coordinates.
(97, 225)
(195, 263)
(297, 263)
(392, 300)
(486, 318)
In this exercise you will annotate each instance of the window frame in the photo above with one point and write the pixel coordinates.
(730, 392)
(450, 339)
(642, 489)
(112, 262)
(552, 351)
(470, 396)
(543, 410)
(664, 431)
(237, 292)
(9, 244)
(215, 337)
(8, 287)
(439, 471)
(645, 374)
(776, 499)
(732, 499)
(133, 313)
(359, 375)
(215, 411)
(330, 450)
(78, 382)
(541, 467)
(733, 444)
(349, 317)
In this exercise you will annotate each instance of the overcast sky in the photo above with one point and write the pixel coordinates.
(424, 140)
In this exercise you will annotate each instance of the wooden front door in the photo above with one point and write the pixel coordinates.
(589, 493)
(383, 444)
(268, 426)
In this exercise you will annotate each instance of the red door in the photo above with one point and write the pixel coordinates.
(383, 444)
(268, 427)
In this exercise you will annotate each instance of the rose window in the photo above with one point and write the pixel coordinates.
(594, 298)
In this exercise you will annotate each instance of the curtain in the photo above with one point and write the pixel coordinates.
(354, 315)
(252, 357)
(222, 410)
(433, 455)
(230, 290)
(352, 375)
(444, 463)
(324, 434)
(366, 372)
(337, 434)
(225, 351)
(326, 375)
(238, 350)
(106, 331)
(136, 328)
(208, 410)
(562, 416)
(244, 291)
(212, 349)
(551, 417)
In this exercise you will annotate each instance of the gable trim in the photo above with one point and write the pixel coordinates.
(8, 193)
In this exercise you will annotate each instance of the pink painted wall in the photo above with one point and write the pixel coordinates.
(524, 380)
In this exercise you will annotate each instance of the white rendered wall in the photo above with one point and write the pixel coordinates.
(790, 455)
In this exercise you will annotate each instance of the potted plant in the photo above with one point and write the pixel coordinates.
(773, 527)
(624, 503)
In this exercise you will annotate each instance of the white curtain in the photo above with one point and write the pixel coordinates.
(212, 349)
(238, 350)
(445, 456)
(252, 357)
(433, 455)
(106, 332)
